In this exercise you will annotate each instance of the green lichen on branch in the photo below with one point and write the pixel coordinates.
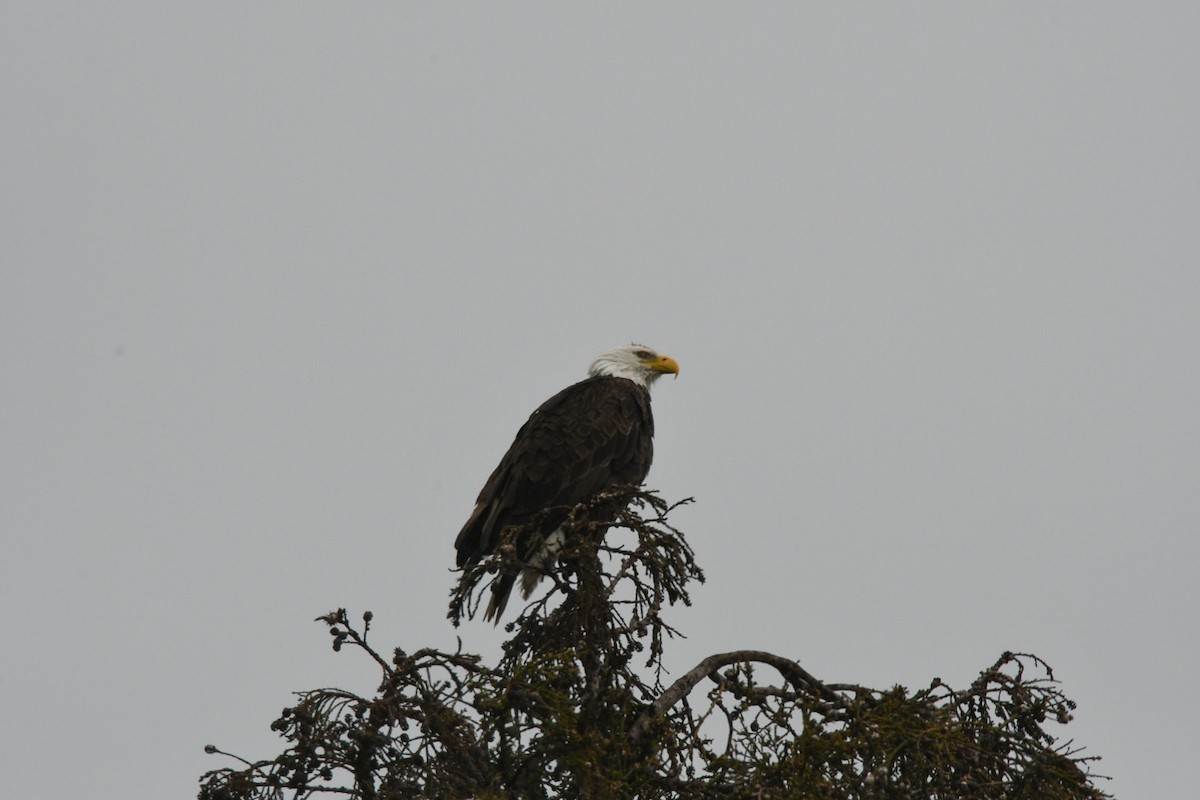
(579, 705)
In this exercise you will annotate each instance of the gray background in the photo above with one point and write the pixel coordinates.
(281, 281)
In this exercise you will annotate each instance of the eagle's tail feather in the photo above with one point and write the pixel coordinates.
(542, 562)
(500, 591)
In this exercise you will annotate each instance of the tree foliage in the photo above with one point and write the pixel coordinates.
(579, 705)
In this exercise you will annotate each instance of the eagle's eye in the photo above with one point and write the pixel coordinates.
(643, 354)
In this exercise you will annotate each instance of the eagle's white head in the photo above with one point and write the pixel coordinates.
(636, 362)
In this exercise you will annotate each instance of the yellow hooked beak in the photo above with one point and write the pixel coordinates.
(663, 364)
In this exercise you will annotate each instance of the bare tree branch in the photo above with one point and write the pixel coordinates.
(792, 671)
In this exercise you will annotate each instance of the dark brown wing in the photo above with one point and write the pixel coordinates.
(588, 437)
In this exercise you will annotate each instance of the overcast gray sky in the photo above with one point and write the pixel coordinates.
(281, 281)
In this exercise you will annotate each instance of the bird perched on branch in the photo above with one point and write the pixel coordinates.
(589, 437)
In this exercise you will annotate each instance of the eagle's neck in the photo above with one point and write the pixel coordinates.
(604, 368)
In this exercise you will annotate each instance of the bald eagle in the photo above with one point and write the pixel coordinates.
(589, 437)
